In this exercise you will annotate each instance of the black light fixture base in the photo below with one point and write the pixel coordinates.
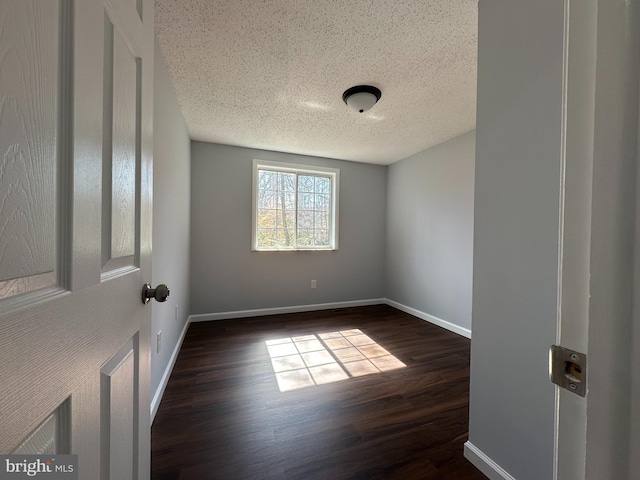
(361, 89)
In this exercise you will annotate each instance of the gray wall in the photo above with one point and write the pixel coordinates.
(171, 194)
(429, 252)
(226, 276)
(515, 267)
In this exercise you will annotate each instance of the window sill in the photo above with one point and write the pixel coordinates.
(294, 249)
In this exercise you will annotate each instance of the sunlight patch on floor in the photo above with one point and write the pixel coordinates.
(309, 360)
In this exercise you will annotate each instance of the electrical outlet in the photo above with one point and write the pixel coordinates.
(313, 284)
(176, 312)
(158, 341)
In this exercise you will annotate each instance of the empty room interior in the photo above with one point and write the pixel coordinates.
(464, 208)
(321, 358)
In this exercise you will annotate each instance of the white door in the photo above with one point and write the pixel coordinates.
(76, 90)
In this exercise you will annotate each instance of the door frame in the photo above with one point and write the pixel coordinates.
(574, 246)
(598, 237)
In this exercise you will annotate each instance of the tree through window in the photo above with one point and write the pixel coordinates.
(295, 207)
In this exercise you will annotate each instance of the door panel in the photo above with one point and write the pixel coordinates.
(29, 75)
(123, 204)
(120, 159)
(52, 436)
(118, 413)
(75, 349)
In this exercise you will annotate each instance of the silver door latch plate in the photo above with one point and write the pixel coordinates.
(568, 369)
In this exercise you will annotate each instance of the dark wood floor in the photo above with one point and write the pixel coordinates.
(223, 415)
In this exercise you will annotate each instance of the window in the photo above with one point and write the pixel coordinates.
(295, 207)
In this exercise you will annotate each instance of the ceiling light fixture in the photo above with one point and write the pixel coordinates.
(361, 97)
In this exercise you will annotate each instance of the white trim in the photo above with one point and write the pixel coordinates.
(332, 173)
(205, 317)
(452, 327)
(157, 397)
(483, 463)
(294, 167)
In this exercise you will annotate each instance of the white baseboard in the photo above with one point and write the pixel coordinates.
(157, 397)
(483, 463)
(205, 317)
(452, 327)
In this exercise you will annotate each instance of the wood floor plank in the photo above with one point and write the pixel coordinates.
(224, 416)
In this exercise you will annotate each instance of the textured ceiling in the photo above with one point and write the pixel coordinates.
(270, 74)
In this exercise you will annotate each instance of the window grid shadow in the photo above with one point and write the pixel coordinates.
(316, 359)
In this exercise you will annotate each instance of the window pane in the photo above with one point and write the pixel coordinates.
(305, 237)
(266, 237)
(321, 237)
(289, 201)
(287, 182)
(266, 199)
(322, 202)
(321, 220)
(323, 185)
(305, 183)
(278, 219)
(267, 180)
(285, 237)
(266, 219)
(289, 219)
(285, 219)
(305, 201)
(305, 220)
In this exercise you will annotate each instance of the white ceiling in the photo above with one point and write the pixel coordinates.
(270, 74)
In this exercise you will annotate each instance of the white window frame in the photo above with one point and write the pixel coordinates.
(334, 173)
